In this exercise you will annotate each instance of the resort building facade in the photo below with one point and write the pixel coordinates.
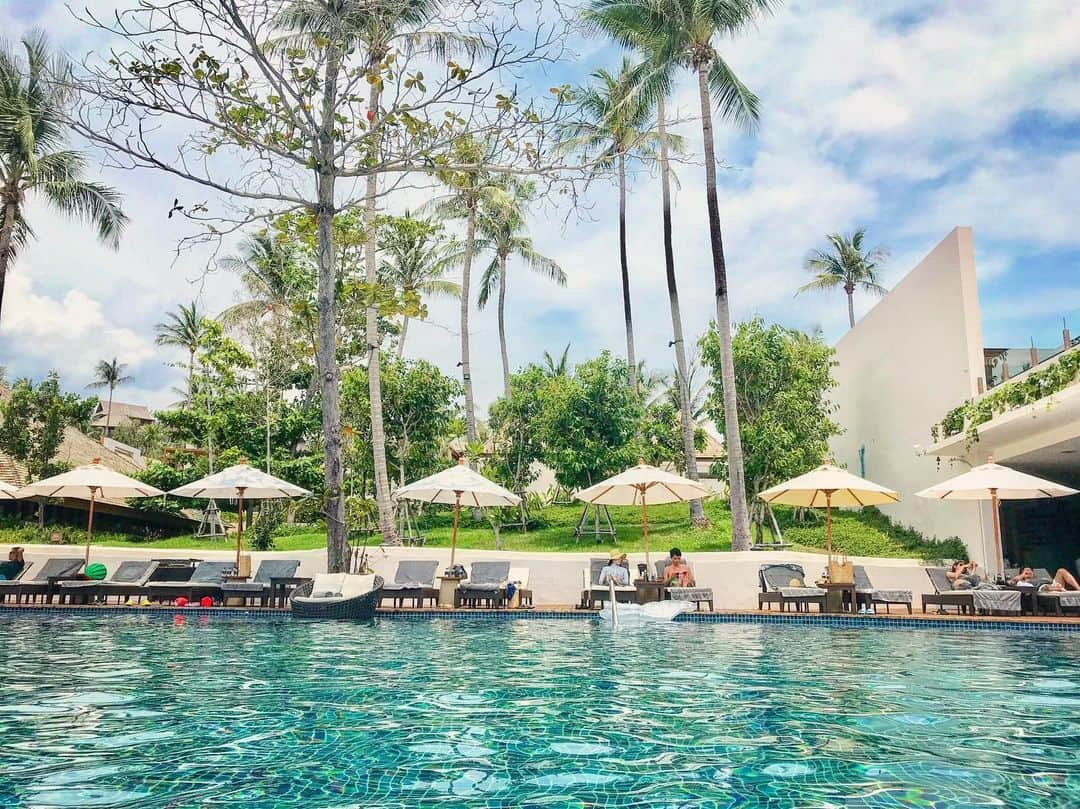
(904, 373)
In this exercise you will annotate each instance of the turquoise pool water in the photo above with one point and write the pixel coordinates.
(138, 711)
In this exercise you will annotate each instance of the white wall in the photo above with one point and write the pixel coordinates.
(916, 355)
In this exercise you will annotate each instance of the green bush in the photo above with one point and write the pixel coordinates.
(270, 516)
(869, 532)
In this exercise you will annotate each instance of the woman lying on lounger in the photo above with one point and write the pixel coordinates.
(963, 575)
(1063, 580)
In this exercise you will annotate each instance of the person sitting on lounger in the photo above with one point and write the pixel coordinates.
(14, 565)
(678, 573)
(963, 576)
(1063, 580)
(617, 570)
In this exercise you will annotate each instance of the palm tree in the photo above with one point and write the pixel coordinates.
(109, 375)
(184, 329)
(557, 368)
(617, 128)
(683, 34)
(502, 229)
(415, 257)
(847, 266)
(469, 190)
(32, 157)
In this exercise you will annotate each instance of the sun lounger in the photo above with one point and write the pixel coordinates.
(338, 595)
(695, 595)
(594, 594)
(486, 583)
(43, 581)
(415, 579)
(944, 595)
(259, 586)
(784, 584)
(866, 593)
(206, 579)
(1058, 602)
(127, 580)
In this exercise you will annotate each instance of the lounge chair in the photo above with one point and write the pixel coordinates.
(944, 595)
(206, 579)
(1053, 602)
(594, 594)
(415, 579)
(259, 586)
(784, 584)
(338, 595)
(126, 581)
(866, 593)
(486, 583)
(695, 595)
(520, 577)
(43, 582)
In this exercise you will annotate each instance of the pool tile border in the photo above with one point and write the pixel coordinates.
(958, 624)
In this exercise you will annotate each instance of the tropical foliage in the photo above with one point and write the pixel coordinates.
(33, 418)
(847, 265)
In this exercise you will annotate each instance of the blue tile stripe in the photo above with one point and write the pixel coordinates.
(958, 624)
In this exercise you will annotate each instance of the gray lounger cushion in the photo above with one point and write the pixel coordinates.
(52, 567)
(413, 573)
(208, 574)
(488, 576)
(940, 580)
(268, 569)
(778, 578)
(864, 586)
(134, 573)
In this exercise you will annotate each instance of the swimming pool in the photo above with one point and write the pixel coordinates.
(139, 711)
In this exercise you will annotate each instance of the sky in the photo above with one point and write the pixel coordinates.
(907, 117)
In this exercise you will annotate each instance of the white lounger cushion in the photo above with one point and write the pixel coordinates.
(348, 587)
(327, 583)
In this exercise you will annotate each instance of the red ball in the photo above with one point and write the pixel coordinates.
(206, 601)
(181, 601)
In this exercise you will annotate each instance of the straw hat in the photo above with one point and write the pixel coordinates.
(615, 555)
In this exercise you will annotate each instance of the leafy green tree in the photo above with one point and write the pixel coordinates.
(33, 418)
(846, 265)
(587, 422)
(782, 377)
(33, 157)
(184, 329)
(109, 374)
(616, 128)
(414, 258)
(661, 435)
(684, 34)
(502, 231)
(514, 423)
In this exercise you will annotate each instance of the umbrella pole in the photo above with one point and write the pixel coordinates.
(453, 534)
(89, 526)
(828, 523)
(997, 534)
(239, 524)
(645, 530)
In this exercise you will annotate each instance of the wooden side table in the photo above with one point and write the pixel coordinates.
(282, 586)
(649, 590)
(447, 587)
(839, 597)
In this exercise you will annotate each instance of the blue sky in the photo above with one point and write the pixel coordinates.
(906, 117)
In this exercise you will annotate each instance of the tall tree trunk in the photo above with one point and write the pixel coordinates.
(108, 417)
(850, 306)
(740, 523)
(628, 316)
(11, 209)
(374, 369)
(466, 374)
(502, 327)
(191, 375)
(686, 418)
(337, 545)
(401, 337)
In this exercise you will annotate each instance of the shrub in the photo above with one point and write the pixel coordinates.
(270, 516)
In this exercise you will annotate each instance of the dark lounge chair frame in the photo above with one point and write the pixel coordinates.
(362, 607)
(769, 595)
(963, 600)
(414, 579)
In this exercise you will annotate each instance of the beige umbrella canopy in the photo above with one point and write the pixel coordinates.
(242, 482)
(995, 482)
(829, 486)
(7, 491)
(93, 481)
(645, 485)
(454, 486)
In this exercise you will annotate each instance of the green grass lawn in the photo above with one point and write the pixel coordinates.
(866, 533)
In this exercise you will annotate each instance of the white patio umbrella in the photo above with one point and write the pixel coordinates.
(829, 486)
(454, 486)
(995, 483)
(7, 491)
(644, 484)
(93, 481)
(244, 483)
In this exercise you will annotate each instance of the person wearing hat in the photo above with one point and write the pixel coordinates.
(617, 570)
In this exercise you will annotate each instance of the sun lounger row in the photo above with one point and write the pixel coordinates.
(490, 584)
(594, 594)
(785, 585)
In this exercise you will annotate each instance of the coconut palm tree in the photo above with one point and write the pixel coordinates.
(557, 368)
(502, 230)
(846, 266)
(415, 257)
(33, 160)
(616, 128)
(469, 190)
(684, 34)
(184, 329)
(109, 374)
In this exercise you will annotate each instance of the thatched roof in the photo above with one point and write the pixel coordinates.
(76, 449)
(123, 414)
